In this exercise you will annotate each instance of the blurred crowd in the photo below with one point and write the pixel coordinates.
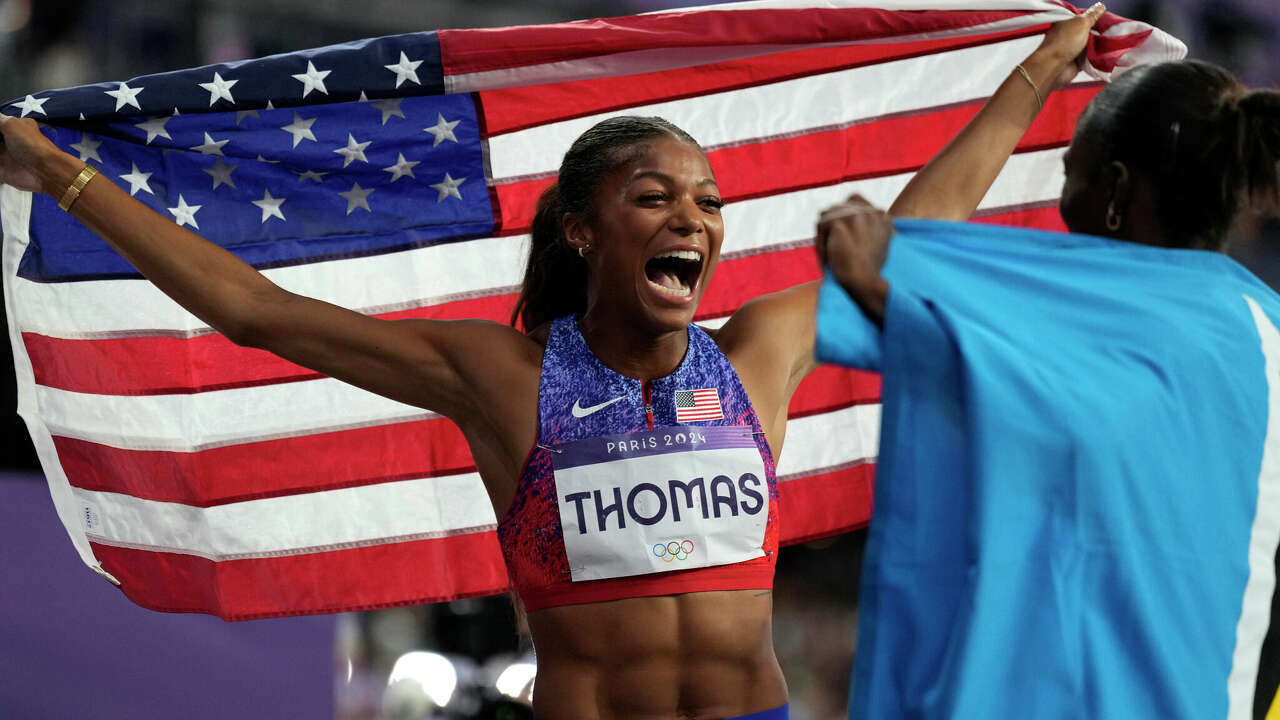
(469, 658)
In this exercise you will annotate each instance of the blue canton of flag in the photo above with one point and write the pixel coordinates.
(275, 185)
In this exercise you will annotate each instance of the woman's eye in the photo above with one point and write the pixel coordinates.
(652, 197)
(713, 203)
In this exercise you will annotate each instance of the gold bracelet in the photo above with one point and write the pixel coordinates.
(1027, 76)
(73, 190)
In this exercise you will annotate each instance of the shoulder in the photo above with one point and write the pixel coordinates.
(781, 317)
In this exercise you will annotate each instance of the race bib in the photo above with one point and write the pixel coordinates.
(671, 498)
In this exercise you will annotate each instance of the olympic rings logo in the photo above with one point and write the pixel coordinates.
(673, 550)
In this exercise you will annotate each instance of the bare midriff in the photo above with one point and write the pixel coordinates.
(697, 656)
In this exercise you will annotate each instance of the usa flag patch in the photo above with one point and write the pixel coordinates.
(698, 405)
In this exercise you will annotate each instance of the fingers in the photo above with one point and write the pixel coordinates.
(1094, 12)
(854, 219)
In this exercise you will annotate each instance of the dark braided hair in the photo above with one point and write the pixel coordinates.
(555, 277)
(1209, 144)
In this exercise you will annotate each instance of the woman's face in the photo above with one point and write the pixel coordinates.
(656, 236)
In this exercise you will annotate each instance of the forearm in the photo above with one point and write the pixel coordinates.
(208, 281)
(953, 183)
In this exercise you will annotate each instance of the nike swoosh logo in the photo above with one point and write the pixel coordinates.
(581, 412)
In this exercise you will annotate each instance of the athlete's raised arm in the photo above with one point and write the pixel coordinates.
(424, 363)
(952, 184)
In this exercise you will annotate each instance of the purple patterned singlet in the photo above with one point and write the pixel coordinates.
(580, 398)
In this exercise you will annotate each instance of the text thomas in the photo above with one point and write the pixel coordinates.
(648, 503)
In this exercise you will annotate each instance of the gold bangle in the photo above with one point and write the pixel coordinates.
(1027, 76)
(73, 190)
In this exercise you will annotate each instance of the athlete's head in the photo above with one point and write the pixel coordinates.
(632, 221)
(1172, 151)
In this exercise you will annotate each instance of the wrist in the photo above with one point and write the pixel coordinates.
(57, 170)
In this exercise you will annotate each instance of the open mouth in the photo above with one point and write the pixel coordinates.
(674, 272)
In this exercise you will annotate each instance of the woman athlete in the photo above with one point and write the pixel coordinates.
(623, 249)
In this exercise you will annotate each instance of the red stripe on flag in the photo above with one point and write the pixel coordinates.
(393, 574)
(865, 150)
(1045, 217)
(346, 458)
(513, 109)
(150, 365)
(477, 50)
(270, 468)
(825, 503)
(169, 365)
(364, 578)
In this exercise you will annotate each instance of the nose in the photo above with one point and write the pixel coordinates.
(686, 217)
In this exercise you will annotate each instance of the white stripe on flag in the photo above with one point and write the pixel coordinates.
(200, 421)
(309, 522)
(784, 107)
(382, 283)
(397, 511)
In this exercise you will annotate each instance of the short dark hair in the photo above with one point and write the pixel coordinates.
(555, 277)
(1206, 141)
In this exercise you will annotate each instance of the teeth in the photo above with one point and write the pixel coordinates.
(692, 255)
(680, 292)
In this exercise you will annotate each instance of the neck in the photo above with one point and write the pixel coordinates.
(630, 350)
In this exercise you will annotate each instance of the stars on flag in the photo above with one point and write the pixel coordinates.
(300, 129)
(312, 79)
(357, 197)
(30, 104)
(390, 108)
(401, 168)
(405, 70)
(185, 140)
(219, 89)
(155, 128)
(125, 96)
(137, 180)
(353, 151)
(210, 146)
(185, 214)
(442, 130)
(87, 148)
(271, 206)
(221, 174)
(448, 188)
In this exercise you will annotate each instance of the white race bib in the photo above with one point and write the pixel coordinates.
(671, 498)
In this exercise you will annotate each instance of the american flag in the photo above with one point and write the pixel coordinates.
(398, 176)
(698, 405)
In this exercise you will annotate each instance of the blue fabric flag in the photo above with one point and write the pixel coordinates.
(1078, 502)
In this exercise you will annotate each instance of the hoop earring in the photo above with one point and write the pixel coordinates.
(1113, 218)
(582, 251)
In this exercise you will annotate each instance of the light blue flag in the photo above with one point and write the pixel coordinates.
(1078, 501)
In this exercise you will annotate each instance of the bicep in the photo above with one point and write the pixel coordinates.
(426, 363)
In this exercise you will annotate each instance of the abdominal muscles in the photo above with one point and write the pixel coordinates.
(698, 655)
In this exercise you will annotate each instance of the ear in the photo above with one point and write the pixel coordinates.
(1120, 186)
(577, 232)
